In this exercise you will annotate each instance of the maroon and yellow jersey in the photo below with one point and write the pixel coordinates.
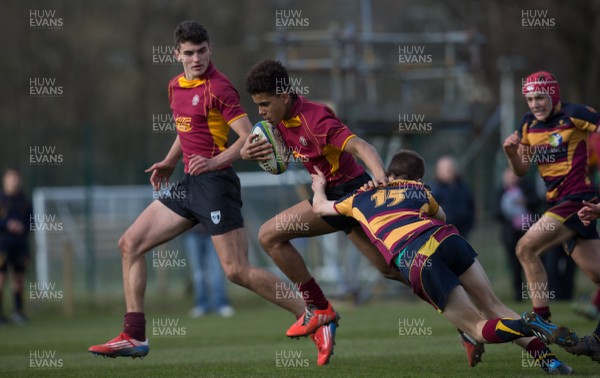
(559, 148)
(203, 109)
(392, 216)
(316, 137)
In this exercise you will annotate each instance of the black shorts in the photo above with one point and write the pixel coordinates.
(436, 263)
(342, 222)
(213, 199)
(15, 255)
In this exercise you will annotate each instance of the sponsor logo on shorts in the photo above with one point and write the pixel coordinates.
(215, 216)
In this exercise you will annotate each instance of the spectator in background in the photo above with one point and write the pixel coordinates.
(516, 203)
(453, 195)
(15, 213)
(208, 278)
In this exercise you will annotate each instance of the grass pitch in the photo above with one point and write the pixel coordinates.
(374, 340)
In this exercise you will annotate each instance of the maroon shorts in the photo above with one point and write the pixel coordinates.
(566, 213)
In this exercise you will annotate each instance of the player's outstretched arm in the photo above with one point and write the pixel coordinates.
(321, 205)
(368, 154)
(517, 155)
(589, 212)
(162, 170)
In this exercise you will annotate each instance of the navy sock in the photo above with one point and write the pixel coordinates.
(504, 330)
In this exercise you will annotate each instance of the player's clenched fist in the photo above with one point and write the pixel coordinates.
(589, 213)
(511, 144)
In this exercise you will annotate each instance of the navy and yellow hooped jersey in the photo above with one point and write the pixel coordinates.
(559, 148)
(394, 215)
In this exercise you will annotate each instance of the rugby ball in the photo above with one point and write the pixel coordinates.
(278, 162)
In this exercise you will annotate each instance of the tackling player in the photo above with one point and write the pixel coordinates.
(205, 107)
(408, 227)
(554, 136)
(316, 138)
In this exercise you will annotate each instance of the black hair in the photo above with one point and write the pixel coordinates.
(408, 165)
(268, 76)
(190, 31)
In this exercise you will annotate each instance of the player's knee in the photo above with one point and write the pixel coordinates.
(267, 238)
(235, 274)
(126, 246)
(524, 249)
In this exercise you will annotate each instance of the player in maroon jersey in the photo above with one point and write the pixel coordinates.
(205, 107)
(554, 136)
(315, 137)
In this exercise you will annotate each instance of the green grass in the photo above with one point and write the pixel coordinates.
(368, 344)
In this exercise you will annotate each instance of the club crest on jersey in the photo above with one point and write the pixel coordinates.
(183, 124)
(215, 216)
(555, 140)
(303, 140)
(195, 100)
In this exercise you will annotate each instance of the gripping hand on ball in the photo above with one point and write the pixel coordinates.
(256, 149)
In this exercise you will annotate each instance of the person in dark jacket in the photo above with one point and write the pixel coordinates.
(15, 214)
(453, 195)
